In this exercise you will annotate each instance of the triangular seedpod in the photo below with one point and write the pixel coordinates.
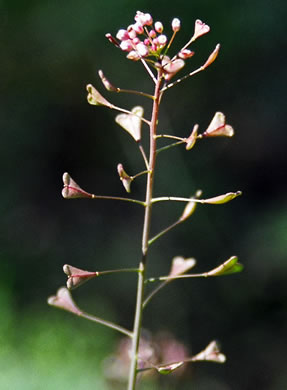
(180, 265)
(168, 368)
(107, 84)
(230, 266)
(125, 178)
(72, 190)
(170, 68)
(218, 127)
(220, 199)
(190, 207)
(63, 300)
(211, 353)
(190, 141)
(77, 276)
(95, 98)
(132, 122)
(200, 29)
(212, 56)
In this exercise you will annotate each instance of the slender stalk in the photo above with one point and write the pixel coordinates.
(161, 233)
(106, 323)
(145, 237)
(143, 154)
(169, 146)
(117, 198)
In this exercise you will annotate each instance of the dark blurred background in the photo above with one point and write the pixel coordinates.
(50, 50)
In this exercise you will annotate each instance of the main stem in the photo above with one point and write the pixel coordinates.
(145, 237)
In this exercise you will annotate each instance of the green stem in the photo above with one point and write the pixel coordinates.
(106, 323)
(153, 239)
(169, 146)
(176, 199)
(118, 198)
(145, 237)
(131, 91)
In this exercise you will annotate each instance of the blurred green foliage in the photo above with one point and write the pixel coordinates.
(50, 51)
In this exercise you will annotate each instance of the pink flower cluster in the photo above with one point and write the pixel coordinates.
(143, 38)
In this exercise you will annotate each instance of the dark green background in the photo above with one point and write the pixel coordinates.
(50, 50)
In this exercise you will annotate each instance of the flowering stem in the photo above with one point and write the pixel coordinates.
(145, 237)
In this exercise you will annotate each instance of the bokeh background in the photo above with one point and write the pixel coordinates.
(50, 50)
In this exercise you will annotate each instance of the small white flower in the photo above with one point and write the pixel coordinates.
(158, 27)
(175, 24)
(142, 49)
(122, 34)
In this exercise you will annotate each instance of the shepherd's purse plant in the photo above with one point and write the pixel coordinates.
(144, 41)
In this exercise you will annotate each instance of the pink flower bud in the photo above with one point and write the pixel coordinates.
(131, 32)
(162, 40)
(122, 35)
(112, 39)
(136, 41)
(148, 20)
(147, 42)
(184, 54)
(152, 34)
(133, 55)
(158, 27)
(138, 28)
(140, 17)
(126, 45)
(142, 49)
(175, 25)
